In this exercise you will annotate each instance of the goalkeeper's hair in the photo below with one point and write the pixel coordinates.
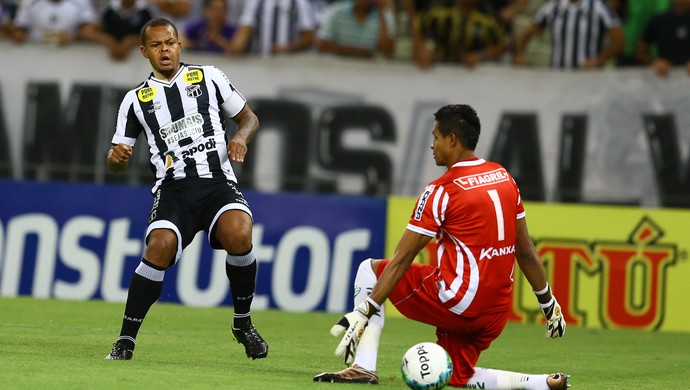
(461, 120)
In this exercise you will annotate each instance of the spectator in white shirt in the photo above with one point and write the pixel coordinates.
(56, 21)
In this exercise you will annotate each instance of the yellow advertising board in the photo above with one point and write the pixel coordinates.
(609, 266)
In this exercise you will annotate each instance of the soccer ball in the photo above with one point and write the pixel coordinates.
(426, 366)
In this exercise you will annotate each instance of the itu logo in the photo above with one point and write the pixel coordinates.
(632, 275)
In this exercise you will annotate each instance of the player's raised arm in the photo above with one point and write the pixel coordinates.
(118, 157)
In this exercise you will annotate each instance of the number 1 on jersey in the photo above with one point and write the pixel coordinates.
(493, 194)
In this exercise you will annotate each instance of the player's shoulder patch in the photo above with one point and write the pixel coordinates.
(146, 94)
(193, 74)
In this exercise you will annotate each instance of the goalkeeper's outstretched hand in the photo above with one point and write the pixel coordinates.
(555, 323)
(351, 327)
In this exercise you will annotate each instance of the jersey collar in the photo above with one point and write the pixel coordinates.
(182, 69)
(472, 162)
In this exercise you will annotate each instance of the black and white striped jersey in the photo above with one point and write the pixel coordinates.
(578, 29)
(183, 121)
(276, 22)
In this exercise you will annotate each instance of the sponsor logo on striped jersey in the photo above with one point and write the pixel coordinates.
(193, 76)
(146, 94)
(187, 127)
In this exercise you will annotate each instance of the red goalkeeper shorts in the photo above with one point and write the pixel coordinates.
(416, 297)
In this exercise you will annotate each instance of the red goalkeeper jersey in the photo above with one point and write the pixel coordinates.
(472, 211)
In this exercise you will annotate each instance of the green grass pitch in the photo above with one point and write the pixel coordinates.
(50, 344)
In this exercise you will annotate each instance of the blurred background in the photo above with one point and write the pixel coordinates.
(589, 112)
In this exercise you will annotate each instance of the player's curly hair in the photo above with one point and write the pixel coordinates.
(155, 22)
(462, 120)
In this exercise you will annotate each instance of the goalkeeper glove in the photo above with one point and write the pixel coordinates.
(555, 323)
(351, 327)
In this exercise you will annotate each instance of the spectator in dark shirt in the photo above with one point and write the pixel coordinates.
(635, 15)
(504, 11)
(8, 10)
(211, 33)
(670, 33)
(456, 32)
(122, 20)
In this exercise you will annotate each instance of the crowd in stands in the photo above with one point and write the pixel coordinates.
(561, 34)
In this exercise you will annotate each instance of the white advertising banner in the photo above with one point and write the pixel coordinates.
(618, 165)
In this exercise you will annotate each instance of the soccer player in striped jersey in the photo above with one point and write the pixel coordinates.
(181, 111)
(475, 213)
(585, 34)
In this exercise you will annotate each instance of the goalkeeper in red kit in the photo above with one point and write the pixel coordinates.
(475, 213)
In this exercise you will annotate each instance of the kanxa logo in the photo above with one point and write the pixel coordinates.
(489, 253)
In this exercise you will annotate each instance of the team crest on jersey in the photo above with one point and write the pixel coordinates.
(193, 91)
(146, 94)
(193, 76)
(419, 210)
